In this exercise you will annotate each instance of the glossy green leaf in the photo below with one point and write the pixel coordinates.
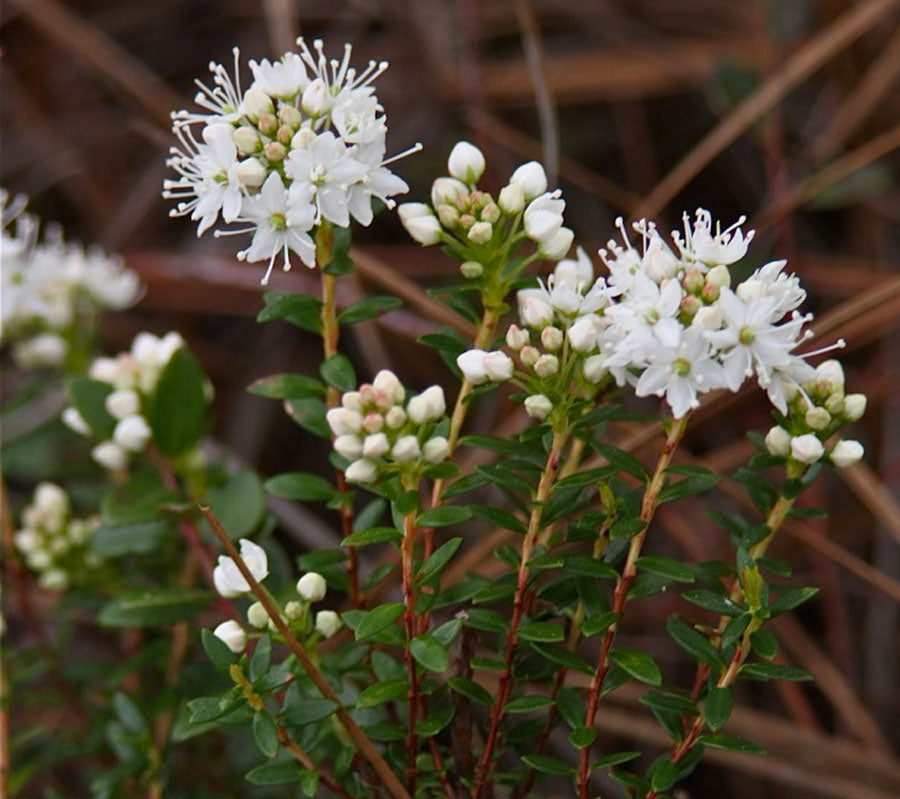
(378, 619)
(581, 737)
(151, 608)
(369, 308)
(265, 734)
(374, 535)
(429, 653)
(527, 704)
(381, 692)
(547, 765)
(543, 631)
(693, 642)
(337, 371)
(279, 773)
(443, 516)
(638, 664)
(301, 486)
(287, 386)
(176, 412)
(471, 690)
(666, 567)
(731, 743)
(88, 397)
(774, 671)
(717, 707)
(438, 559)
(305, 710)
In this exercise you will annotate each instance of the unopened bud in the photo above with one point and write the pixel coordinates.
(284, 135)
(448, 215)
(275, 151)
(807, 448)
(595, 369)
(466, 162)
(289, 115)
(532, 178)
(436, 449)
(719, 276)
(376, 445)
(854, 407)
(538, 406)
(268, 124)
(481, 232)
(551, 338)
(395, 418)
(709, 293)
(511, 199)
(327, 623)
(247, 140)
(447, 190)
(361, 471)
(257, 615)
(317, 99)
(251, 173)
(846, 452)
(257, 104)
(471, 269)
(778, 441)
(817, 418)
(490, 213)
(294, 610)
(406, 449)
(517, 337)
(690, 305)
(312, 587)
(232, 635)
(529, 355)
(693, 281)
(546, 366)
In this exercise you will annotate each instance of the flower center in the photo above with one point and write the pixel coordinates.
(747, 335)
(681, 367)
(277, 222)
(317, 175)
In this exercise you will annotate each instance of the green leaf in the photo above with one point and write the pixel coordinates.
(774, 671)
(443, 516)
(301, 310)
(710, 600)
(132, 539)
(471, 690)
(589, 567)
(177, 409)
(280, 773)
(487, 620)
(689, 486)
(624, 461)
(638, 664)
(309, 413)
(717, 707)
(448, 631)
(435, 562)
(89, 399)
(436, 721)
(337, 371)
(627, 528)
(666, 567)
(265, 733)
(764, 644)
(669, 702)
(581, 737)
(239, 505)
(693, 642)
(498, 517)
(309, 783)
(301, 486)
(307, 710)
(563, 657)
(152, 608)
(430, 653)
(209, 708)
(129, 713)
(614, 759)
(369, 308)
(287, 386)
(598, 623)
(261, 659)
(547, 765)
(543, 631)
(664, 775)
(731, 743)
(381, 692)
(218, 653)
(374, 535)
(377, 619)
(791, 598)
(340, 263)
(526, 704)
(571, 707)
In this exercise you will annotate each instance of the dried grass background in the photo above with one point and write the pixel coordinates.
(787, 110)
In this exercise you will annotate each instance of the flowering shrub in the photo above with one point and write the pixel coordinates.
(412, 683)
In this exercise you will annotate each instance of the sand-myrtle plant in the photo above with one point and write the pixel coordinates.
(477, 604)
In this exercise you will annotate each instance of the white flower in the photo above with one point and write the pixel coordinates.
(846, 452)
(406, 449)
(681, 372)
(498, 366)
(232, 635)
(583, 335)
(256, 103)
(426, 406)
(27, 540)
(511, 199)
(595, 368)
(132, 433)
(350, 446)
(251, 173)
(778, 441)
(257, 615)
(388, 382)
(75, 421)
(806, 448)
(395, 418)
(282, 221)
(543, 216)
(576, 272)
(701, 245)
(106, 370)
(122, 403)
(51, 499)
(344, 422)
(283, 79)
(312, 587)
(420, 222)
(317, 99)
(374, 446)
(327, 623)
(832, 371)
(471, 364)
(54, 580)
(227, 577)
(854, 407)
(110, 455)
(534, 310)
(436, 449)
(659, 262)
(43, 350)
(719, 276)
(532, 178)
(558, 245)
(361, 471)
(466, 162)
(538, 406)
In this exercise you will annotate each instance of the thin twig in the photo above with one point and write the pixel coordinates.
(353, 729)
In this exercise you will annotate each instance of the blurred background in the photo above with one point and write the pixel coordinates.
(787, 111)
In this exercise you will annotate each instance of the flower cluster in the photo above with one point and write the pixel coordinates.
(305, 143)
(47, 286)
(53, 543)
(667, 321)
(817, 410)
(374, 430)
(230, 583)
(476, 226)
(131, 377)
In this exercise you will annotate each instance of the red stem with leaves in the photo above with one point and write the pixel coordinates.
(620, 596)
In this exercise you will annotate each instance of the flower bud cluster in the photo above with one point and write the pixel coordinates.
(472, 219)
(54, 544)
(817, 410)
(305, 143)
(48, 286)
(373, 429)
(132, 377)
